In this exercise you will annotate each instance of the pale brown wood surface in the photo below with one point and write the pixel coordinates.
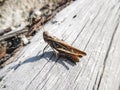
(89, 25)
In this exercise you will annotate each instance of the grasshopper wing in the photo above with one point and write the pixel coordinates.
(71, 48)
(68, 54)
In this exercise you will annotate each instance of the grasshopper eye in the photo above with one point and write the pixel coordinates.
(45, 33)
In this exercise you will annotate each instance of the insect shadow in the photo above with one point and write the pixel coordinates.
(50, 56)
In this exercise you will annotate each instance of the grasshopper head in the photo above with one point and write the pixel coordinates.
(45, 33)
(46, 36)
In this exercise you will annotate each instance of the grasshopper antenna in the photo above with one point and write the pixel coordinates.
(43, 29)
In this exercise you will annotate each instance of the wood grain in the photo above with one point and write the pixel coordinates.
(89, 25)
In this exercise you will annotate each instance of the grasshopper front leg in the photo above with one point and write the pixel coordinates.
(55, 52)
(45, 48)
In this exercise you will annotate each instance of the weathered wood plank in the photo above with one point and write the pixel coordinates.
(95, 29)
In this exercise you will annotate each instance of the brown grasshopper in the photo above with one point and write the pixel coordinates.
(61, 47)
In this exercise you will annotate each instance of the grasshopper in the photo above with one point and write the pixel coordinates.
(61, 47)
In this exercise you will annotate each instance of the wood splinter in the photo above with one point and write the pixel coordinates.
(2, 51)
(62, 48)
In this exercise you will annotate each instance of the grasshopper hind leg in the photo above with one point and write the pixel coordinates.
(55, 52)
(71, 60)
(57, 55)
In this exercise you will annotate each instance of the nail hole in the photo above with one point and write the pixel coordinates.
(74, 16)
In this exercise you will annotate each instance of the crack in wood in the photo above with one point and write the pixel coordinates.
(38, 72)
(97, 13)
(45, 76)
(101, 29)
(36, 76)
(95, 81)
(107, 54)
(84, 49)
(91, 37)
(80, 31)
(97, 78)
